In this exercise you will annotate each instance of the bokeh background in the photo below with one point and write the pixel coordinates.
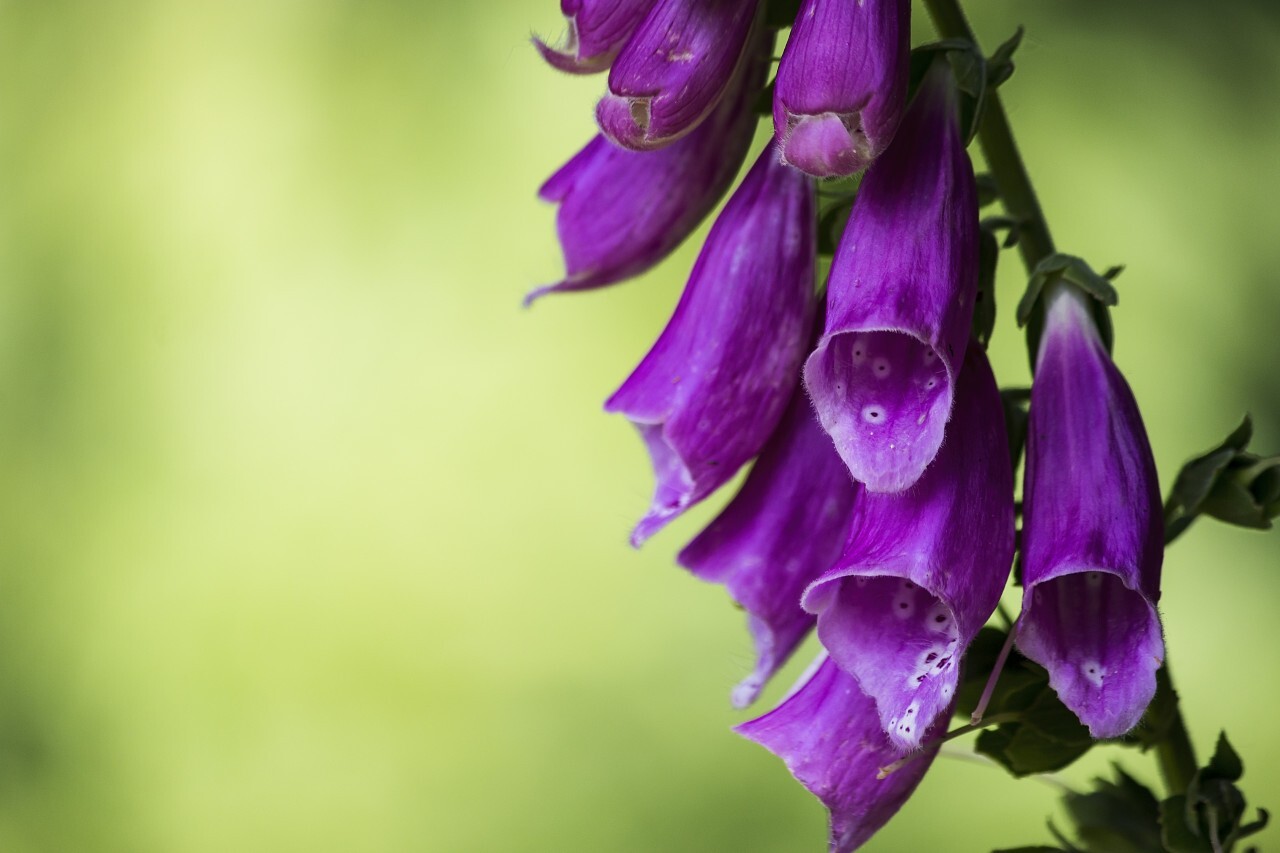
(312, 539)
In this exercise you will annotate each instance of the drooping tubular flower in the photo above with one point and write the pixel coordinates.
(710, 392)
(786, 526)
(900, 298)
(674, 70)
(828, 734)
(1093, 530)
(924, 569)
(596, 31)
(621, 212)
(842, 84)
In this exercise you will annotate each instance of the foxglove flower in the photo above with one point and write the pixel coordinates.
(597, 30)
(900, 298)
(715, 384)
(785, 527)
(674, 69)
(923, 570)
(842, 84)
(1092, 532)
(622, 211)
(828, 734)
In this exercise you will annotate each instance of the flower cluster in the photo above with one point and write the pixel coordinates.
(880, 505)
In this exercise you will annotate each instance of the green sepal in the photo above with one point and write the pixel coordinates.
(1034, 848)
(1075, 270)
(1068, 268)
(988, 193)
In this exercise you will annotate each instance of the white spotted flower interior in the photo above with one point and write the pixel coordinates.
(923, 570)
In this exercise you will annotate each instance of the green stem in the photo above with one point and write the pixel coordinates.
(996, 138)
(1174, 753)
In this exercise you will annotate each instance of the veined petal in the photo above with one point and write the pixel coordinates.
(1093, 529)
(595, 31)
(900, 299)
(829, 736)
(621, 212)
(714, 386)
(924, 569)
(785, 527)
(842, 84)
(674, 69)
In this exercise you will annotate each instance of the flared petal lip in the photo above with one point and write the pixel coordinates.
(874, 481)
(1116, 725)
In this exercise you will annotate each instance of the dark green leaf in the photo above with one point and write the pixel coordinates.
(1035, 848)
(1118, 817)
(1175, 834)
(1048, 738)
(1226, 763)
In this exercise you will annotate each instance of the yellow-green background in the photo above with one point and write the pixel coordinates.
(312, 540)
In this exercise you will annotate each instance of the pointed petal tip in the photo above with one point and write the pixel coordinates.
(537, 293)
(567, 60)
(746, 692)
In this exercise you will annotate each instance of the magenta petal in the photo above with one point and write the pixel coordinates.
(674, 69)
(924, 569)
(842, 84)
(621, 212)
(714, 386)
(596, 31)
(785, 527)
(900, 299)
(1093, 530)
(829, 736)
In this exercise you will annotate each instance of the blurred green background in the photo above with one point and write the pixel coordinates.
(312, 539)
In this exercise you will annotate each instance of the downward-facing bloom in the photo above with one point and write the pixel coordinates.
(596, 31)
(1092, 533)
(674, 69)
(842, 84)
(709, 393)
(828, 734)
(923, 570)
(786, 526)
(623, 211)
(900, 298)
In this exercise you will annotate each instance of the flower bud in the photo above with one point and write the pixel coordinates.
(842, 84)
(674, 70)
(621, 212)
(710, 392)
(1092, 531)
(900, 298)
(597, 30)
